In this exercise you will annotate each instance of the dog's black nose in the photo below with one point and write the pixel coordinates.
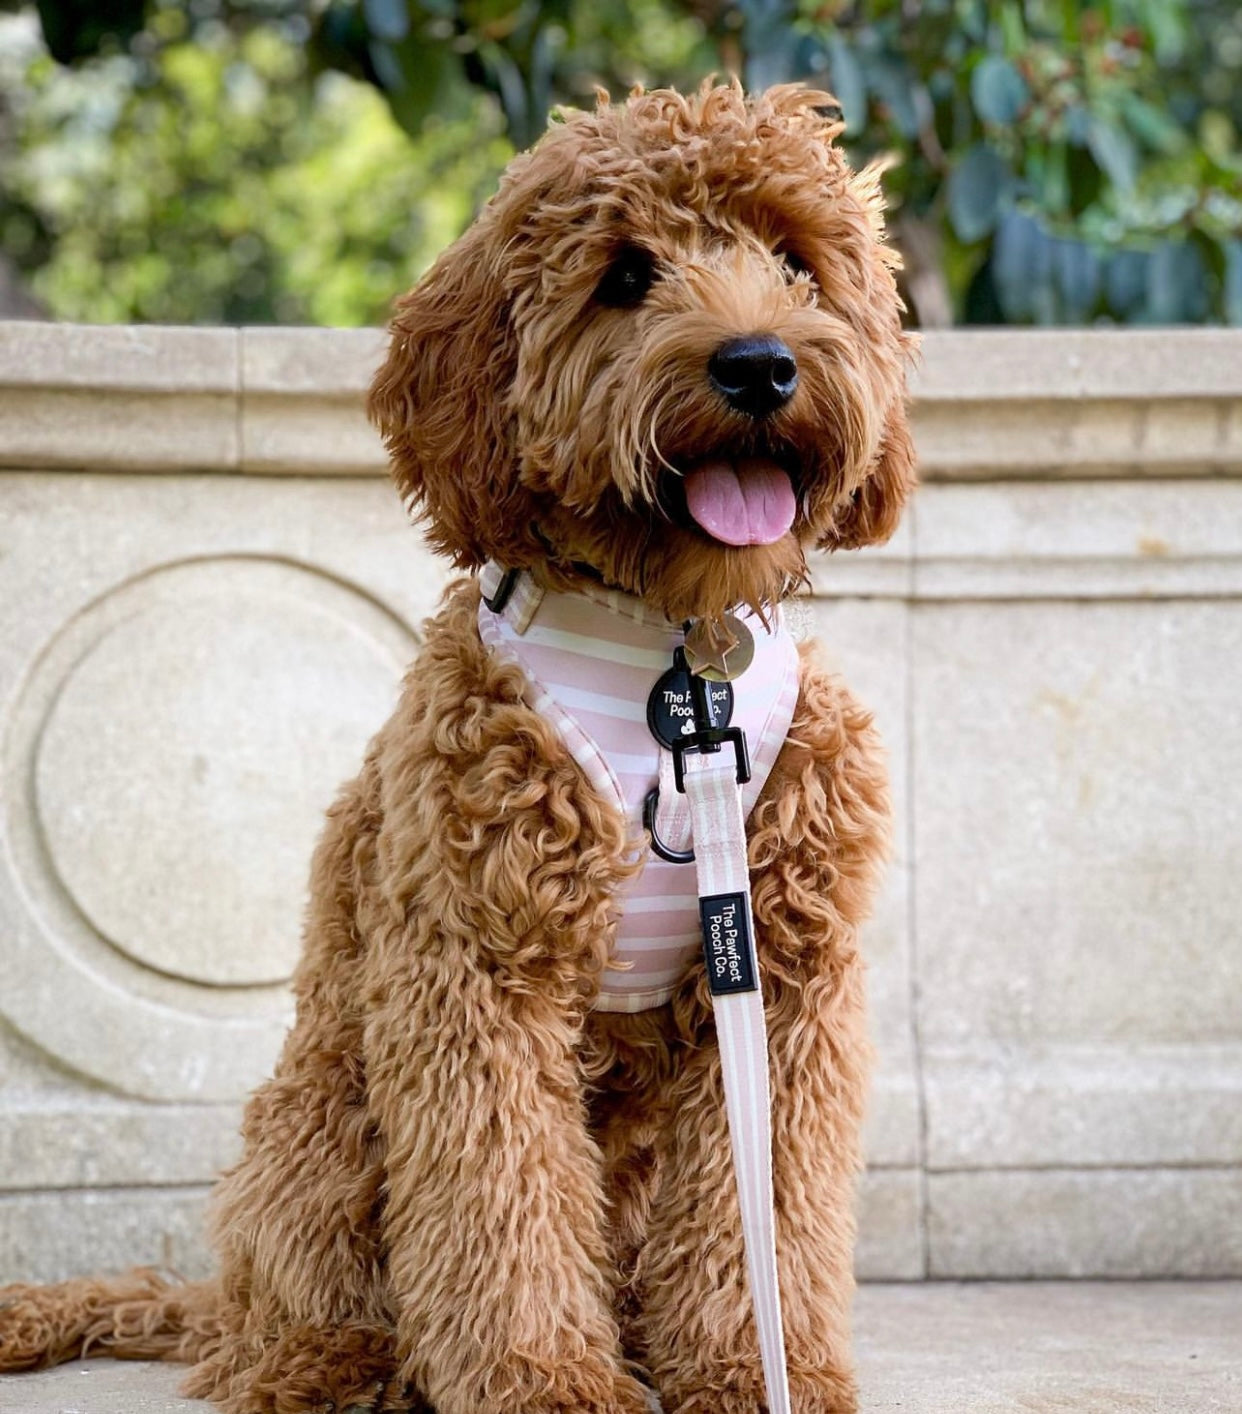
(757, 373)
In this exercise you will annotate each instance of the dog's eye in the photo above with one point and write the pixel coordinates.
(794, 263)
(627, 279)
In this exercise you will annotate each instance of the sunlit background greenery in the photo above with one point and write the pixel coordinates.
(278, 160)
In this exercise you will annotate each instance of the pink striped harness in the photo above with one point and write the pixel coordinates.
(592, 659)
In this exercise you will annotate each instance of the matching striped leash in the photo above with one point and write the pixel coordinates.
(712, 779)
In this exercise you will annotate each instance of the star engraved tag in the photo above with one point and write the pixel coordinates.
(727, 948)
(719, 650)
(670, 706)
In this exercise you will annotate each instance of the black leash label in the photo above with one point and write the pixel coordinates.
(727, 947)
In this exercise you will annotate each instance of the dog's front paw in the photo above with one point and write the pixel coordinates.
(385, 1404)
(396, 1397)
(574, 1390)
(824, 1391)
(627, 1396)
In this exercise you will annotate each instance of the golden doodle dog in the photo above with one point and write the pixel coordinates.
(665, 361)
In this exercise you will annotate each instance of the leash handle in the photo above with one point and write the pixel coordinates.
(715, 798)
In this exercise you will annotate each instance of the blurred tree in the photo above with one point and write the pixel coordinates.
(1058, 162)
(1055, 162)
(220, 162)
(212, 180)
(528, 54)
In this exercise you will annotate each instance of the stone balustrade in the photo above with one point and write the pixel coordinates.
(207, 595)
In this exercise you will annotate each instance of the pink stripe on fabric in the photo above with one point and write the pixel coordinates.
(646, 928)
(610, 681)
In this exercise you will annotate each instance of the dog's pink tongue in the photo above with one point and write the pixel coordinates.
(749, 502)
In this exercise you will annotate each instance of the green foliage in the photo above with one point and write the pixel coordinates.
(1073, 162)
(528, 54)
(77, 29)
(1057, 162)
(223, 184)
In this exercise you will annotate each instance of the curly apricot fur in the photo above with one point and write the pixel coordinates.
(463, 1188)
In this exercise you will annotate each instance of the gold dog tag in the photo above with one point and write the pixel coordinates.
(719, 650)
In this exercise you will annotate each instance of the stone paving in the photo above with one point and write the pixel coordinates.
(933, 1348)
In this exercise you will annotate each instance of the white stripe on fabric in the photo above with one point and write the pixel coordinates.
(588, 701)
(628, 1003)
(638, 904)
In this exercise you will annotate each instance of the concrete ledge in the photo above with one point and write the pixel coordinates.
(68, 1232)
(1138, 537)
(1080, 1222)
(50, 1231)
(1079, 404)
(989, 404)
(1157, 1348)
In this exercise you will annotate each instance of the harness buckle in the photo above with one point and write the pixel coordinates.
(710, 740)
(504, 591)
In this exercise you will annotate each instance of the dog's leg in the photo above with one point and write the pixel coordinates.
(484, 937)
(817, 838)
(303, 1321)
(496, 1260)
(629, 1060)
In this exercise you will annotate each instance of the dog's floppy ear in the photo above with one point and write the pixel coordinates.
(872, 513)
(441, 401)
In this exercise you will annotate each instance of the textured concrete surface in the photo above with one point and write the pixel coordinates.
(1091, 1348)
(1039, 1348)
(191, 658)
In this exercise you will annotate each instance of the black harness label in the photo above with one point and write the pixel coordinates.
(670, 707)
(727, 947)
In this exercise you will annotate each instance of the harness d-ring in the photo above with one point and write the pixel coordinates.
(674, 856)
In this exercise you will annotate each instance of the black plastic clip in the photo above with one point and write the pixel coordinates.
(504, 591)
(711, 740)
(709, 736)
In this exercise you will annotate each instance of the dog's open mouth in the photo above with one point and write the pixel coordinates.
(739, 501)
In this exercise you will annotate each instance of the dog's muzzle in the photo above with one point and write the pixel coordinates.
(756, 374)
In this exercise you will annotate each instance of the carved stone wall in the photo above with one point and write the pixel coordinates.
(207, 596)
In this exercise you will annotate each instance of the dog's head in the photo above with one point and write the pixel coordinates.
(667, 355)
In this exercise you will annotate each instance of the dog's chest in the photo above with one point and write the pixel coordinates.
(593, 662)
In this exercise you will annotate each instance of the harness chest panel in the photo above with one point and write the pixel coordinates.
(592, 660)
